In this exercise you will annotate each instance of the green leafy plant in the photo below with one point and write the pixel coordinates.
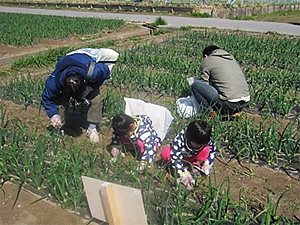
(159, 21)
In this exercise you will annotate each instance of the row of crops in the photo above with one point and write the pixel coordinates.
(26, 29)
(159, 71)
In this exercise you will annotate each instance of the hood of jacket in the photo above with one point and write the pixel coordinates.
(222, 54)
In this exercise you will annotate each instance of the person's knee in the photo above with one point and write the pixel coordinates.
(196, 86)
(96, 100)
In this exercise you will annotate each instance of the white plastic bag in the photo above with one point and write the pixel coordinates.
(160, 116)
(187, 107)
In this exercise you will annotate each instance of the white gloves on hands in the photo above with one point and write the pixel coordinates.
(56, 121)
(204, 169)
(187, 180)
(115, 152)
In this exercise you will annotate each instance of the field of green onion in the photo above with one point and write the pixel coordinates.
(26, 29)
(157, 72)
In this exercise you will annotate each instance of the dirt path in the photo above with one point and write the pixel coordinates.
(26, 213)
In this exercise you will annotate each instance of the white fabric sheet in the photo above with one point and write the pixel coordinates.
(160, 116)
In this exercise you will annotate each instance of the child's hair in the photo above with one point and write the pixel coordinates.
(198, 131)
(75, 85)
(209, 49)
(122, 124)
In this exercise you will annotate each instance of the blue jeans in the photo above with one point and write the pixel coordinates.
(208, 98)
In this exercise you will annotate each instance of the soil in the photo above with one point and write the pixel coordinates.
(249, 182)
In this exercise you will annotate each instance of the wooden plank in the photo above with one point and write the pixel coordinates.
(109, 204)
(129, 203)
(124, 205)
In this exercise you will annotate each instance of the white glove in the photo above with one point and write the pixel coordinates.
(201, 169)
(187, 180)
(191, 80)
(197, 169)
(56, 121)
(115, 152)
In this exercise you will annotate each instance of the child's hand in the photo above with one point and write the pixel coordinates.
(197, 169)
(187, 180)
(114, 151)
(202, 168)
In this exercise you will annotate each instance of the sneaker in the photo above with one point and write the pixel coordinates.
(93, 135)
(236, 115)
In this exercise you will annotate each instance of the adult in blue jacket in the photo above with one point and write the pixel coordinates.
(79, 74)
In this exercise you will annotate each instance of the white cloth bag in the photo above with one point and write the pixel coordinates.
(105, 55)
(160, 116)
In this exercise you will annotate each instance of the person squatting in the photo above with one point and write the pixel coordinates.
(137, 132)
(195, 146)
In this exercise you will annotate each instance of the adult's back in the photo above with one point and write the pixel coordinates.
(223, 72)
(222, 86)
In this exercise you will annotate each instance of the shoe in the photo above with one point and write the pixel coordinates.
(56, 131)
(93, 135)
(236, 115)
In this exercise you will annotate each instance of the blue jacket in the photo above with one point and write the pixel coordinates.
(74, 63)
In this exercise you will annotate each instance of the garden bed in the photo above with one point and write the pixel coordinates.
(233, 185)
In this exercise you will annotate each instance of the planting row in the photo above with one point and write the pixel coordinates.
(26, 29)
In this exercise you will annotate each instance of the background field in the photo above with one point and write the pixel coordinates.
(155, 70)
(182, 2)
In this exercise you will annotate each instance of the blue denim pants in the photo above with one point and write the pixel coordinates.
(208, 98)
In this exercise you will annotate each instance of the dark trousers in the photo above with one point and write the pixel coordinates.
(208, 98)
(94, 114)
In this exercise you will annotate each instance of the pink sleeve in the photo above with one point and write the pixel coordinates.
(140, 145)
(203, 154)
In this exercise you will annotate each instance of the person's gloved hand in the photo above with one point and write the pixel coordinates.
(204, 169)
(56, 121)
(115, 152)
(197, 169)
(187, 180)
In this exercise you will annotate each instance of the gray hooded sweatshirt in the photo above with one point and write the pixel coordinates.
(222, 71)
